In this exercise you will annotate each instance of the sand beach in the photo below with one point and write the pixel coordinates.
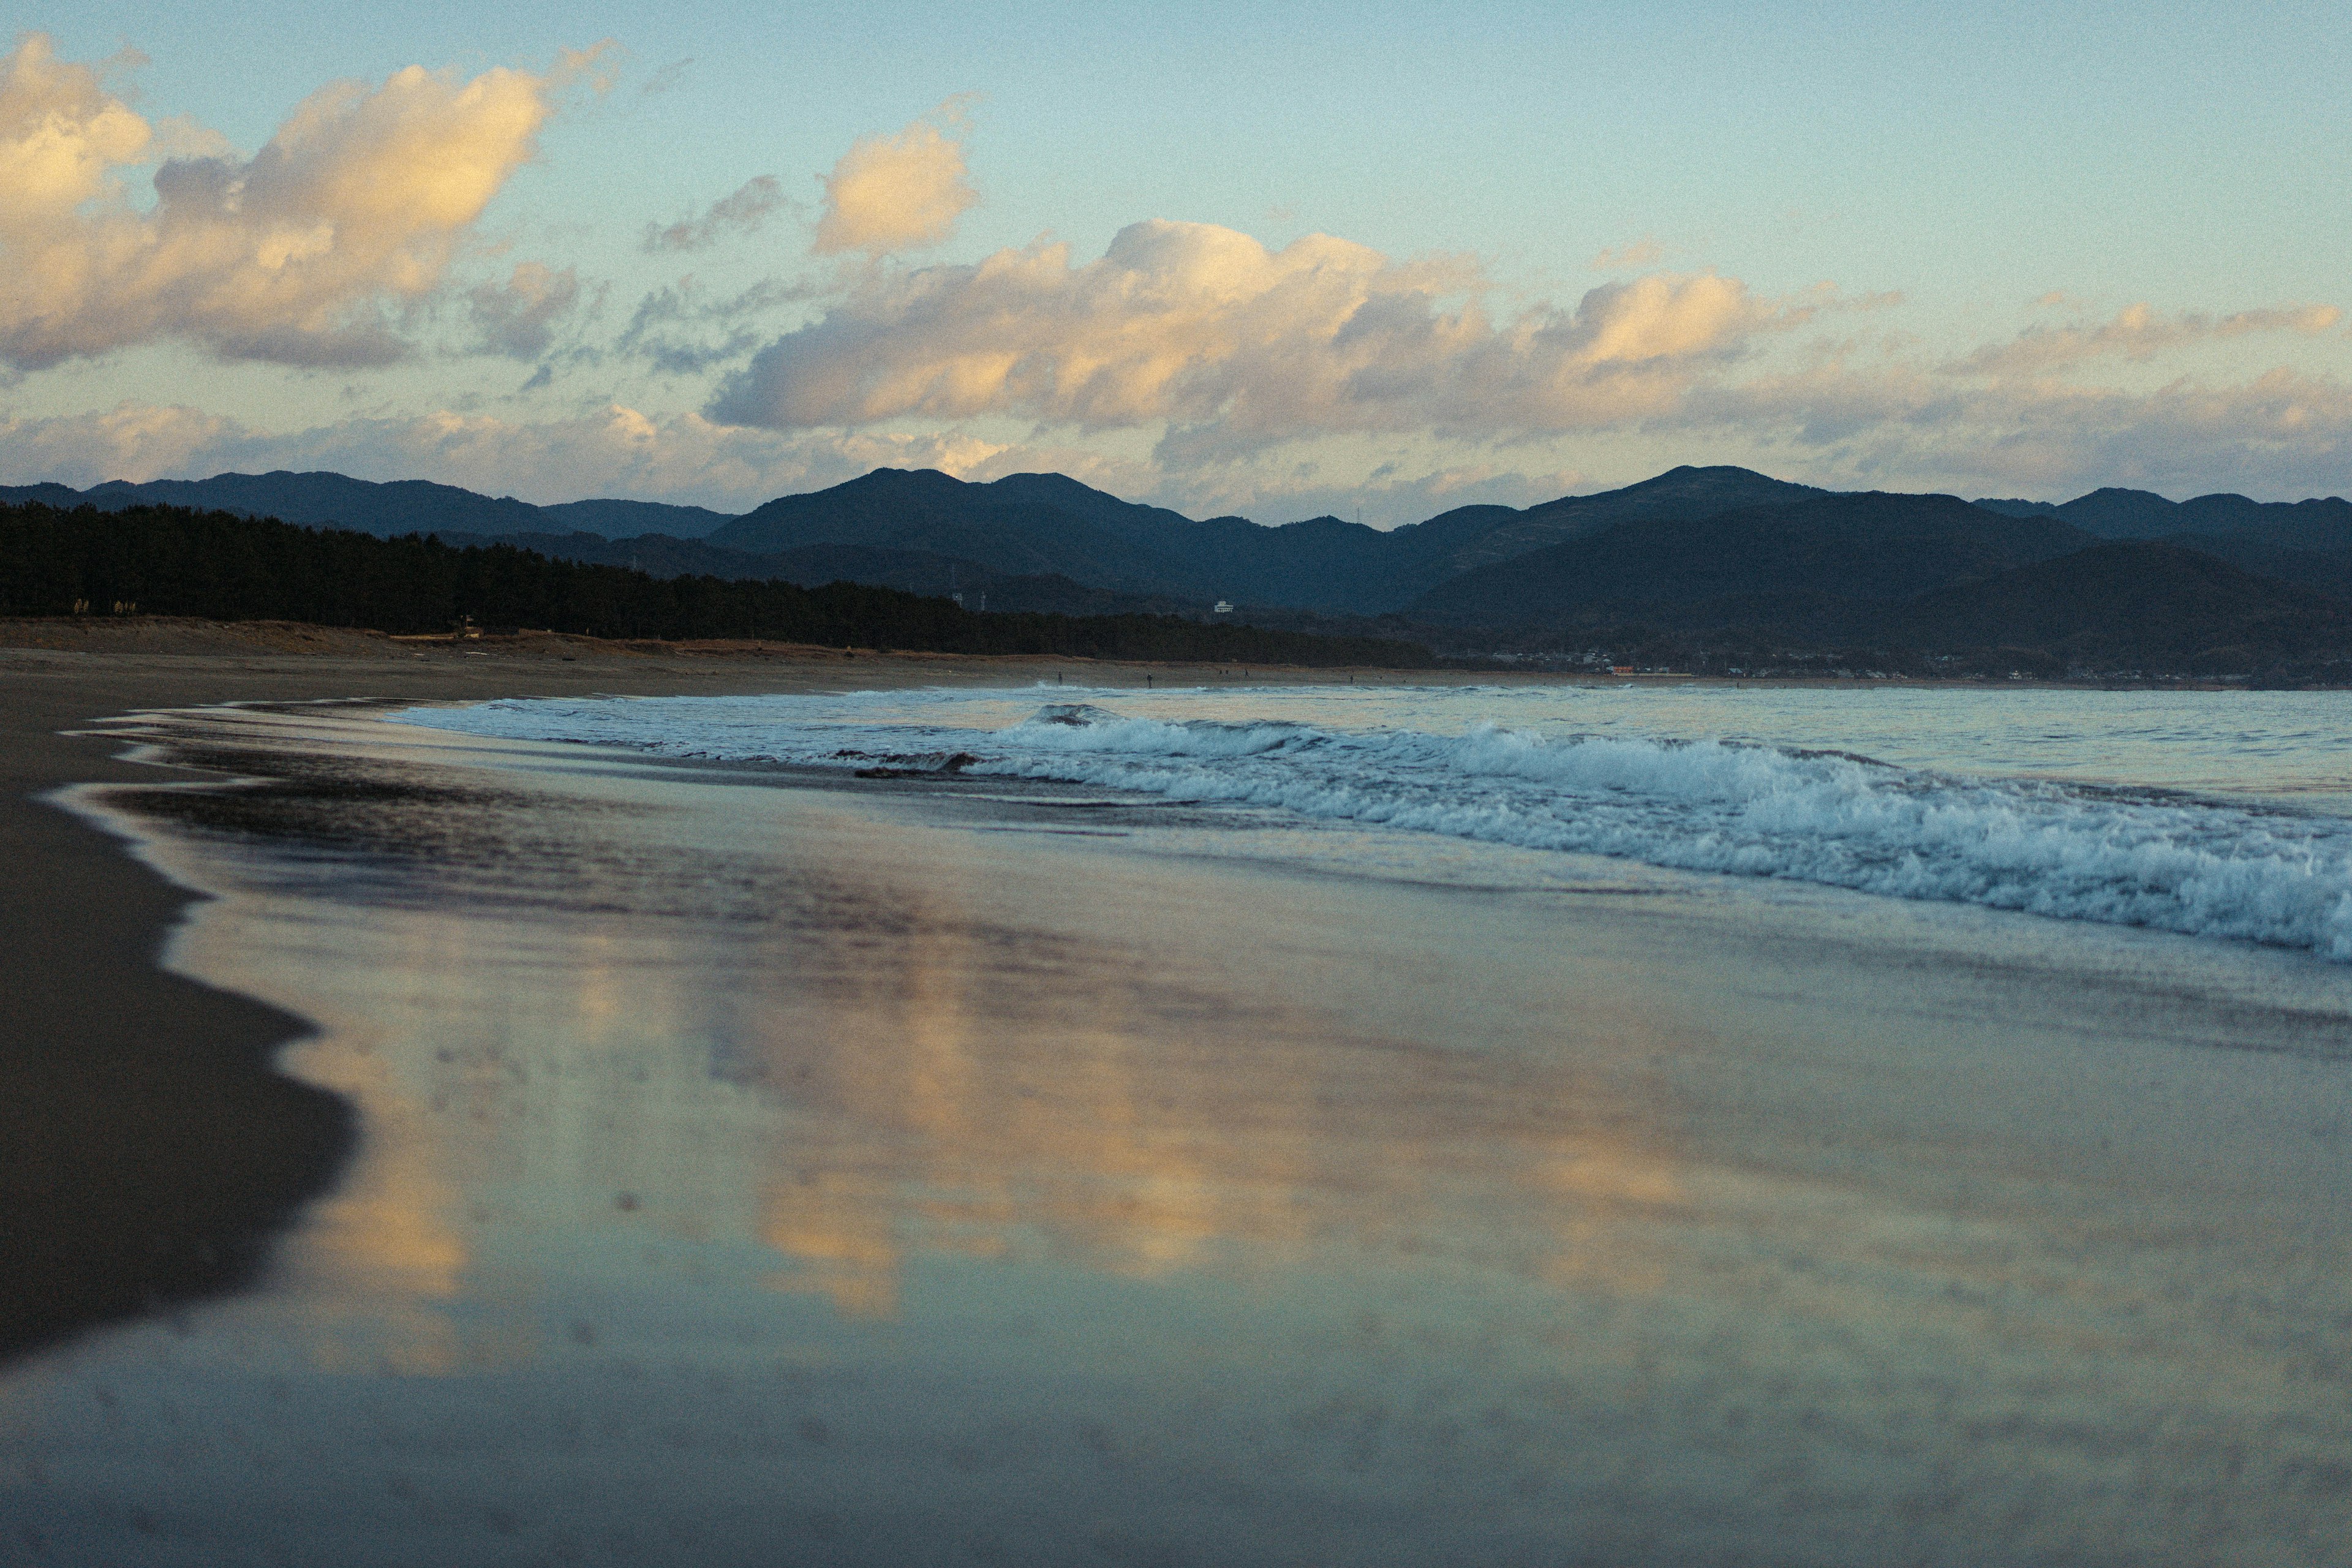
(686, 1160)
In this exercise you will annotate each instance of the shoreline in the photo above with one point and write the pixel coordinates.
(152, 1186)
(899, 1132)
(167, 636)
(157, 1147)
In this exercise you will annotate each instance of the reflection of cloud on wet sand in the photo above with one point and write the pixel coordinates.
(382, 1260)
(968, 1091)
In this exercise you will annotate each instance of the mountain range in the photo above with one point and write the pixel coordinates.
(387, 511)
(1694, 551)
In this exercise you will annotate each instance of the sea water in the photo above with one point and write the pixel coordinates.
(2224, 814)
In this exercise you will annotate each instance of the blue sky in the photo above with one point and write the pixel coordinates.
(2006, 251)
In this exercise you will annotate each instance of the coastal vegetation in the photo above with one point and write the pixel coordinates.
(174, 561)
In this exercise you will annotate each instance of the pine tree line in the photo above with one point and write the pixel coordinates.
(173, 561)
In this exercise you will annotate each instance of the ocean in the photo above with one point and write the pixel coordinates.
(2210, 814)
(1255, 1125)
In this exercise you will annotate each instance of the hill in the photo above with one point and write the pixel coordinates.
(1692, 546)
(175, 561)
(2323, 524)
(2130, 602)
(812, 565)
(387, 511)
(1027, 524)
(1797, 565)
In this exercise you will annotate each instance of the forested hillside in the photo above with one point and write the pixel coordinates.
(176, 561)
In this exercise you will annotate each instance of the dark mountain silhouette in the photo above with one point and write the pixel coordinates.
(1048, 523)
(2319, 524)
(173, 561)
(1693, 550)
(813, 565)
(1736, 565)
(925, 510)
(2319, 571)
(2128, 600)
(387, 511)
(1472, 537)
(621, 518)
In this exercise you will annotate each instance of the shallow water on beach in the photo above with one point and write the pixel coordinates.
(2223, 815)
(761, 1165)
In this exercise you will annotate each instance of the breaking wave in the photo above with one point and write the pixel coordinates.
(2076, 852)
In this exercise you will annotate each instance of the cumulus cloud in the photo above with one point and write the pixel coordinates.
(891, 194)
(2135, 333)
(751, 205)
(1234, 346)
(303, 254)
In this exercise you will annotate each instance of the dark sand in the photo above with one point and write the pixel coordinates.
(146, 1147)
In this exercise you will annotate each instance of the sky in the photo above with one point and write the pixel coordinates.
(1273, 261)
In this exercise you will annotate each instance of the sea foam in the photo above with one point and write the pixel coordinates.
(2071, 851)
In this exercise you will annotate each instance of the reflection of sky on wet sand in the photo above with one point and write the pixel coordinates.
(846, 1177)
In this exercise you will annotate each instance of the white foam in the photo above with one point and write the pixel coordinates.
(2074, 852)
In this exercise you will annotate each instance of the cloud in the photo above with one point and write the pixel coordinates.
(891, 194)
(665, 78)
(2136, 332)
(672, 326)
(1235, 347)
(305, 254)
(2279, 434)
(135, 442)
(1643, 252)
(520, 317)
(612, 452)
(753, 203)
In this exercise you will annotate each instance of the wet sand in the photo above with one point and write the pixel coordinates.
(760, 1168)
(146, 1147)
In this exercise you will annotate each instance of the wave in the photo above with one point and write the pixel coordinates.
(2069, 851)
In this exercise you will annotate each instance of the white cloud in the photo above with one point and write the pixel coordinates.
(891, 194)
(1235, 347)
(751, 205)
(304, 253)
(135, 442)
(2135, 333)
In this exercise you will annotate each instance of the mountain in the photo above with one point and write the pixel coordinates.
(1472, 537)
(1049, 522)
(2132, 599)
(1746, 565)
(925, 510)
(2319, 524)
(628, 518)
(1692, 548)
(815, 565)
(2319, 571)
(388, 511)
